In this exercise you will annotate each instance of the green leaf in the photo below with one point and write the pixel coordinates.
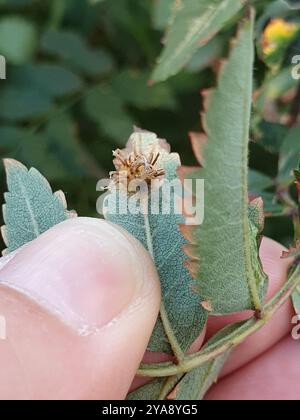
(73, 49)
(182, 317)
(258, 182)
(64, 146)
(144, 97)
(195, 384)
(23, 104)
(289, 156)
(272, 135)
(162, 13)
(17, 3)
(293, 4)
(56, 149)
(155, 390)
(272, 206)
(194, 24)
(107, 110)
(147, 392)
(275, 87)
(206, 55)
(224, 253)
(9, 137)
(33, 150)
(18, 39)
(296, 300)
(50, 79)
(30, 206)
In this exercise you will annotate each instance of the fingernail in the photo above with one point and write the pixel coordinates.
(84, 270)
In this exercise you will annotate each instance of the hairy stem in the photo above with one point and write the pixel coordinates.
(210, 353)
(167, 387)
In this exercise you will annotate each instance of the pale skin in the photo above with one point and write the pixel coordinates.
(80, 303)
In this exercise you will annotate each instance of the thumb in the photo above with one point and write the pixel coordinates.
(78, 305)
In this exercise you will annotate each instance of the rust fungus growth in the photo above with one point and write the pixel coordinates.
(134, 165)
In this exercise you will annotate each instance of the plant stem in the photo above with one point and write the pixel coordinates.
(210, 353)
(167, 387)
(178, 353)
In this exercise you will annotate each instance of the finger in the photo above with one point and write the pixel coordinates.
(79, 303)
(274, 376)
(155, 357)
(277, 328)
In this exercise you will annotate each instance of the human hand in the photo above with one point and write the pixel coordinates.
(80, 303)
(266, 366)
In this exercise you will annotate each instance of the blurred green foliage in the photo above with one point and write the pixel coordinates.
(77, 82)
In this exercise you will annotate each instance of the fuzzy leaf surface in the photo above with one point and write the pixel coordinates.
(155, 390)
(224, 257)
(30, 206)
(161, 236)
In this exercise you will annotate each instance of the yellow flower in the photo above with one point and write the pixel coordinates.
(277, 32)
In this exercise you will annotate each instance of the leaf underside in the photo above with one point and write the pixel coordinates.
(224, 250)
(160, 234)
(31, 207)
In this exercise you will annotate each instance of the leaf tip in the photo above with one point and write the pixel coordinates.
(190, 250)
(192, 266)
(206, 305)
(12, 164)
